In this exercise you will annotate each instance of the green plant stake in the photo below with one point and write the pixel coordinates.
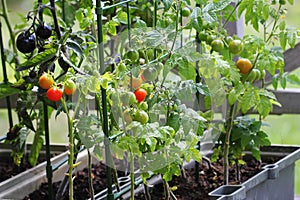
(48, 151)
(104, 102)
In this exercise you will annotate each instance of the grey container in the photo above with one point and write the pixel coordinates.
(275, 181)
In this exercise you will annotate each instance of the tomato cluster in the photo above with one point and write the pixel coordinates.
(26, 40)
(54, 93)
(219, 40)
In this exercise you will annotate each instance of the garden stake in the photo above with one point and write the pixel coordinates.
(154, 25)
(5, 79)
(99, 12)
(48, 151)
(128, 23)
(197, 103)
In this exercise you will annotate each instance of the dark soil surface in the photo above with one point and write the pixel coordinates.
(9, 169)
(184, 187)
(81, 187)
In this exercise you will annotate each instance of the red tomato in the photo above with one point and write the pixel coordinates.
(54, 94)
(140, 94)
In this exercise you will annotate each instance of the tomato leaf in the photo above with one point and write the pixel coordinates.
(36, 145)
(264, 106)
(122, 17)
(248, 100)
(282, 39)
(71, 44)
(195, 19)
(167, 4)
(173, 121)
(293, 78)
(7, 89)
(192, 153)
(186, 70)
(275, 80)
(291, 37)
(38, 59)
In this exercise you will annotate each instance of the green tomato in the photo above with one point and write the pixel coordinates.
(282, 2)
(185, 12)
(150, 74)
(217, 45)
(127, 116)
(128, 98)
(132, 55)
(263, 74)
(210, 38)
(202, 36)
(121, 67)
(235, 47)
(159, 66)
(143, 105)
(141, 116)
(254, 75)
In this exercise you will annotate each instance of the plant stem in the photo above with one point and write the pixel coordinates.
(233, 11)
(55, 21)
(5, 79)
(166, 189)
(227, 145)
(274, 25)
(91, 189)
(71, 150)
(176, 25)
(147, 194)
(10, 30)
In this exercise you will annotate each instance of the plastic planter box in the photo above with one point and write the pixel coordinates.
(275, 181)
